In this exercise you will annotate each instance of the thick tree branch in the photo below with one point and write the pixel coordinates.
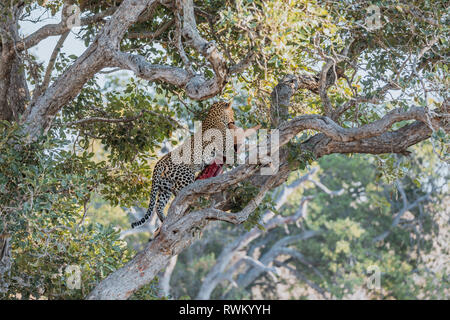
(60, 28)
(145, 70)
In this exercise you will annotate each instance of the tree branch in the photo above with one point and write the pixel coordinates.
(406, 207)
(151, 35)
(60, 28)
(51, 64)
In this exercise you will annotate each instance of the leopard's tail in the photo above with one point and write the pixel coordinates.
(151, 207)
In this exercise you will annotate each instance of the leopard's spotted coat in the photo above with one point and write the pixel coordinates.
(169, 177)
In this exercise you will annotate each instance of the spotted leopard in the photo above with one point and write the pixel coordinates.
(169, 177)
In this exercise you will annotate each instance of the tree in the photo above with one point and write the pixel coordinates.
(371, 82)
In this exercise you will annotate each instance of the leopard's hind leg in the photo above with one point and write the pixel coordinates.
(165, 191)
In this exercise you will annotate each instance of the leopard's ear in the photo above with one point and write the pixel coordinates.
(228, 105)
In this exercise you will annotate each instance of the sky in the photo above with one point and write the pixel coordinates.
(43, 50)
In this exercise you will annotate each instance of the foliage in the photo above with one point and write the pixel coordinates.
(351, 223)
(51, 234)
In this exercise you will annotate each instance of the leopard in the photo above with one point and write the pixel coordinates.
(169, 177)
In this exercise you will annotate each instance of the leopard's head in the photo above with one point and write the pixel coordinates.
(222, 110)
